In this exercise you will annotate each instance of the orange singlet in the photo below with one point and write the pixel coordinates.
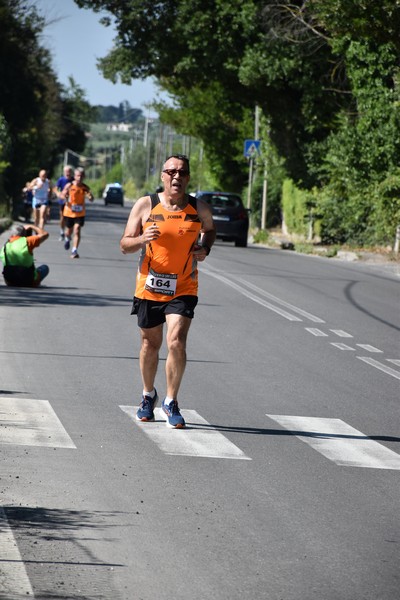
(166, 266)
(75, 205)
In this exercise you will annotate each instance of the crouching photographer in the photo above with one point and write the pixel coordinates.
(17, 257)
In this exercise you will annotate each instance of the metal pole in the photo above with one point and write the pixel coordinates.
(264, 199)
(250, 183)
(257, 122)
(397, 241)
(146, 127)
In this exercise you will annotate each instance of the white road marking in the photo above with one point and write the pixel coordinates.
(291, 307)
(341, 333)
(342, 346)
(380, 366)
(198, 439)
(340, 442)
(28, 422)
(369, 348)
(241, 289)
(14, 581)
(316, 332)
(394, 361)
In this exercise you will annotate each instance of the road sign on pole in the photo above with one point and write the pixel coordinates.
(251, 148)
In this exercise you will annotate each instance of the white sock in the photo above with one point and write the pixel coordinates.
(74, 249)
(168, 400)
(151, 394)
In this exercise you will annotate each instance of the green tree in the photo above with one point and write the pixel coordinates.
(38, 114)
(324, 72)
(193, 49)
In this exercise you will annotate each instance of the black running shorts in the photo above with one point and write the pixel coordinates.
(70, 221)
(151, 313)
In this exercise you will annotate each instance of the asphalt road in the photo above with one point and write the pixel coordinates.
(285, 484)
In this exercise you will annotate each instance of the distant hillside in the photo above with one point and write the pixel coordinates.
(123, 113)
(101, 136)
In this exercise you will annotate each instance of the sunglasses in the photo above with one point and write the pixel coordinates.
(173, 172)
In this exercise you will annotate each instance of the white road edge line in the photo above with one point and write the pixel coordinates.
(13, 576)
(380, 366)
(369, 348)
(295, 309)
(251, 296)
(339, 442)
(214, 273)
(341, 333)
(394, 361)
(342, 346)
(316, 332)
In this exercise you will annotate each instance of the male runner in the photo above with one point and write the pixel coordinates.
(41, 189)
(62, 181)
(166, 229)
(74, 195)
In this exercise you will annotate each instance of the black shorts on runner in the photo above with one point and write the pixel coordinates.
(151, 313)
(70, 221)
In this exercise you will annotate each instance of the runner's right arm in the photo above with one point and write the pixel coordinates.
(134, 237)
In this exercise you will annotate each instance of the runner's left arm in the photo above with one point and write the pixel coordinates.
(89, 194)
(208, 232)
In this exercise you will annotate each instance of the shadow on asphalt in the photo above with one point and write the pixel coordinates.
(16, 297)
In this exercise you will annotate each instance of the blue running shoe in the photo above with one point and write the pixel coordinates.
(146, 408)
(67, 244)
(172, 415)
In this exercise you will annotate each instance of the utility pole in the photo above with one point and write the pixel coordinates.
(264, 196)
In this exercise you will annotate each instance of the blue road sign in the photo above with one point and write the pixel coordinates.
(251, 148)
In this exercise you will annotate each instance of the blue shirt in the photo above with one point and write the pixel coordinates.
(60, 185)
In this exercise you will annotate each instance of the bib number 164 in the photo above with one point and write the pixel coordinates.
(161, 283)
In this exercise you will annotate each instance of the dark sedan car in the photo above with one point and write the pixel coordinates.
(231, 218)
(113, 194)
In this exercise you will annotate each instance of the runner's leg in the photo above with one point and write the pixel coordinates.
(177, 332)
(148, 358)
(42, 215)
(77, 235)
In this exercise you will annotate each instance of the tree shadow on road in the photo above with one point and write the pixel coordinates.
(58, 545)
(58, 296)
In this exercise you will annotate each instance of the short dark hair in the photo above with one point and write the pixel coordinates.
(20, 230)
(180, 157)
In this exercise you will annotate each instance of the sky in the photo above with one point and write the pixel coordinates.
(76, 39)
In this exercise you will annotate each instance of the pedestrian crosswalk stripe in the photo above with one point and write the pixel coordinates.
(199, 438)
(14, 579)
(340, 442)
(29, 422)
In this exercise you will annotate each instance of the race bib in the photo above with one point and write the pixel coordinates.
(76, 207)
(161, 283)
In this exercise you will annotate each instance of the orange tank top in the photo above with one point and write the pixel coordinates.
(75, 205)
(166, 266)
